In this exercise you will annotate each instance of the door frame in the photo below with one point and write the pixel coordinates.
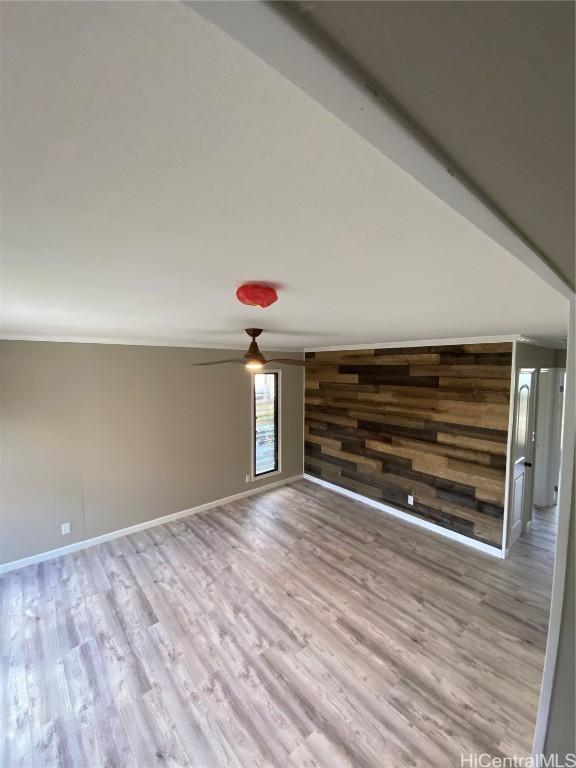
(549, 456)
(527, 506)
(509, 478)
(528, 489)
(526, 514)
(566, 511)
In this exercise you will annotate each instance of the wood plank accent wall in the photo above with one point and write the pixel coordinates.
(431, 422)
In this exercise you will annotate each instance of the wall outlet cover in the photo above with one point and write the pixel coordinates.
(65, 529)
(411, 500)
(248, 478)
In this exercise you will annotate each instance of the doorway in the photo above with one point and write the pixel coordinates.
(549, 409)
(523, 452)
(538, 417)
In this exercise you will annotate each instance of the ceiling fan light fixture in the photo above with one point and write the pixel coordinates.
(253, 359)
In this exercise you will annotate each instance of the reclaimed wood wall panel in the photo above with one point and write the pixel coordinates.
(430, 422)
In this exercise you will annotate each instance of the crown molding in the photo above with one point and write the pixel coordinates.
(136, 342)
(419, 343)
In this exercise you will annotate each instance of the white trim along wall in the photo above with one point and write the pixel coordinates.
(424, 343)
(509, 450)
(407, 518)
(86, 543)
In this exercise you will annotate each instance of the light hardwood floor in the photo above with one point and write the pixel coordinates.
(292, 628)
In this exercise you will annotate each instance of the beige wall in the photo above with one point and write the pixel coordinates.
(107, 436)
(534, 356)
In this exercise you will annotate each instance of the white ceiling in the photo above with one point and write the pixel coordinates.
(150, 164)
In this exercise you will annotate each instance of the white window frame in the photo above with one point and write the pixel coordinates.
(278, 471)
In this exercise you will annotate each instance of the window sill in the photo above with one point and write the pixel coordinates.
(266, 475)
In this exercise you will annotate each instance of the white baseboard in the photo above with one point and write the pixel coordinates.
(408, 518)
(85, 543)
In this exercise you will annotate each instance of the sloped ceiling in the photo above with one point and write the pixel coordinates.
(490, 83)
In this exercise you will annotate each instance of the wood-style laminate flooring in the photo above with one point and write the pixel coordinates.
(292, 628)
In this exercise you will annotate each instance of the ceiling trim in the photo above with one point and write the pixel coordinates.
(551, 343)
(331, 81)
(132, 342)
(139, 342)
(419, 343)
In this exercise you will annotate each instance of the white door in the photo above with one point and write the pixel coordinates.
(523, 453)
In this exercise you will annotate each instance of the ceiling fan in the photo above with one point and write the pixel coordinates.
(253, 359)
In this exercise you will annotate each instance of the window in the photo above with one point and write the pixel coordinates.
(266, 394)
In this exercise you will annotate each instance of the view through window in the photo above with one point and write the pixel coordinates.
(265, 423)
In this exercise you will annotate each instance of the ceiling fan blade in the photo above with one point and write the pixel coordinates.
(304, 363)
(221, 362)
(285, 361)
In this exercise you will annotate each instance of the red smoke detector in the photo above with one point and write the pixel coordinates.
(256, 295)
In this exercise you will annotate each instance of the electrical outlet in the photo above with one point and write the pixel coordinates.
(248, 478)
(411, 500)
(65, 529)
